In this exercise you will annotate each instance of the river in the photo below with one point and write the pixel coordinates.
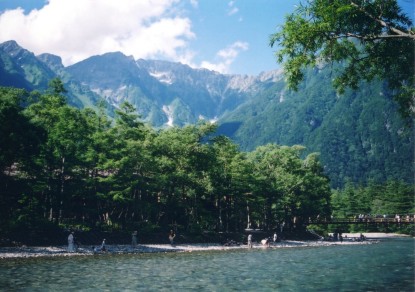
(385, 266)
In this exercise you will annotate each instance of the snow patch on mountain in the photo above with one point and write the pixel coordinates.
(106, 93)
(113, 96)
(212, 121)
(168, 110)
(163, 77)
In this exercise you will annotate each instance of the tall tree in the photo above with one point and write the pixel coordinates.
(297, 189)
(66, 137)
(126, 162)
(183, 156)
(231, 181)
(369, 38)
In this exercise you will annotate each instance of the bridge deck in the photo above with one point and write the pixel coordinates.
(363, 221)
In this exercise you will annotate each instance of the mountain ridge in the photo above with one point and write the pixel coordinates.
(359, 134)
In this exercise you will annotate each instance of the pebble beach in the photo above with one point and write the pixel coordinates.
(53, 251)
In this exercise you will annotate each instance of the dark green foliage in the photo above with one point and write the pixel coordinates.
(20, 140)
(365, 139)
(394, 197)
(74, 167)
(376, 201)
(294, 190)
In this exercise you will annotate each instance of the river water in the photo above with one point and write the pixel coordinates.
(385, 266)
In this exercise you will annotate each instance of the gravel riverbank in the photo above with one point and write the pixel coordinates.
(52, 251)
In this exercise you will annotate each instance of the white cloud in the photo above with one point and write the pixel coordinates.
(77, 29)
(226, 57)
(232, 8)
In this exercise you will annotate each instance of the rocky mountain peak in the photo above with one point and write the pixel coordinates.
(54, 62)
(13, 49)
(10, 47)
(271, 76)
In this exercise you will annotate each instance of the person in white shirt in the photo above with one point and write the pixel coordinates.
(250, 240)
(71, 246)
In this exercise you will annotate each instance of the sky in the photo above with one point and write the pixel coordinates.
(228, 36)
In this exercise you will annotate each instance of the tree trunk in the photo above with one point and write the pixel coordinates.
(248, 225)
(62, 189)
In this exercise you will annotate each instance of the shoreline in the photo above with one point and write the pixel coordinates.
(61, 251)
(375, 235)
(87, 250)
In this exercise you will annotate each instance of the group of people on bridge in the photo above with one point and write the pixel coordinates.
(365, 218)
(386, 218)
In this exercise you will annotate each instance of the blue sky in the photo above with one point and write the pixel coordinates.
(229, 36)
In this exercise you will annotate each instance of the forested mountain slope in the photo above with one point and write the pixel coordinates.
(359, 134)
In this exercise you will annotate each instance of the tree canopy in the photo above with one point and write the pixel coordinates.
(367, 38)
(64, 165)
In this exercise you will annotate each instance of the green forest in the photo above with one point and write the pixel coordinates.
(360, 135)
(64, 167)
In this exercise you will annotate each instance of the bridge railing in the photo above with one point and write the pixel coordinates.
(352, 220)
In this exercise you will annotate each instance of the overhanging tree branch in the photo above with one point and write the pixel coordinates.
(327, 30)
(399, 33)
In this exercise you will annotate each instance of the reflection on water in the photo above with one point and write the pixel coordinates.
(387, 266)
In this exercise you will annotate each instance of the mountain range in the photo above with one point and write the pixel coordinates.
(359, 134)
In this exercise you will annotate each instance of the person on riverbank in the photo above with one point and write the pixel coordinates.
(275, 238)
(250, 240)
(134, 239)
(172, 235)
(265, 242)
(71, 246)
(103, 246)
